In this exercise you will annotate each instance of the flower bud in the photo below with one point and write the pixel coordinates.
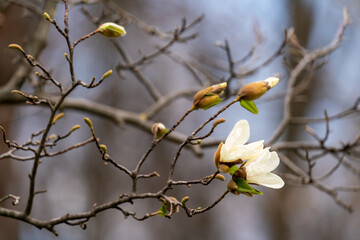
(47, 17)
(110, 29)
(218, 121)
(223, 168)
(184, 200)
(220, 177)
(57, 117)
(232, 187)
(88, 122)
(255, 90)
(103, 148)
(16, 46)
(209, 97)
(158, 129)
(107, 74)
(76, 127)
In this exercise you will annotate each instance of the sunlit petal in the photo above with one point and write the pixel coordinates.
(265, 162)
(243, 152)
(268, 179)
(239, 135)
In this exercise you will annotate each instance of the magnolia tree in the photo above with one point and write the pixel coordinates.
(243, 166)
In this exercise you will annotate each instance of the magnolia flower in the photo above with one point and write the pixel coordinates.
(234, 150)
(259, 161)
(258, 170)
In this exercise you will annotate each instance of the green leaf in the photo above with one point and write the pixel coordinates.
(250, 106)
(244, 187)
(233, 169)
(162, 210)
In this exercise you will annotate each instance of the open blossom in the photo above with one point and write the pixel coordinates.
(259, 161)
(258, 170)
(234, 150)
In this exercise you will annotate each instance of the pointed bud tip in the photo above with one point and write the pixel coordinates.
(223, 85)
(76, 127)
(16, 46)
(272, 81)
(218, 121)
(47, 17)
(57, 117)
(184, 200)
(107, 74)
(88, 122)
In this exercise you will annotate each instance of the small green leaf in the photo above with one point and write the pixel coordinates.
(233, 169)
(162, 210)
(244, 187)
(250, 106)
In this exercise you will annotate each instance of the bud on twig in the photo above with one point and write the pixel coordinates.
(47, 16)
(103, 148)
(107, 74)
(16, 46)
(232, 187)
(88, 122)
(76, 127)
(184, 200)
(218, 121)
(110, 29)
(57, 117)
(255, 90)
(158, 129)
(220, 177)
(209, 97)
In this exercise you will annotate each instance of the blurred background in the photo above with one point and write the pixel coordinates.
(78, 179)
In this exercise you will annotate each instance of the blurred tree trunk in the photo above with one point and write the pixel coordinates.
(8, 19)
(301, 18)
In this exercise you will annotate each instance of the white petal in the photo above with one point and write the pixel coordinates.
(270, 180)
(243, 152)
(239, 135)
(265, 162)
